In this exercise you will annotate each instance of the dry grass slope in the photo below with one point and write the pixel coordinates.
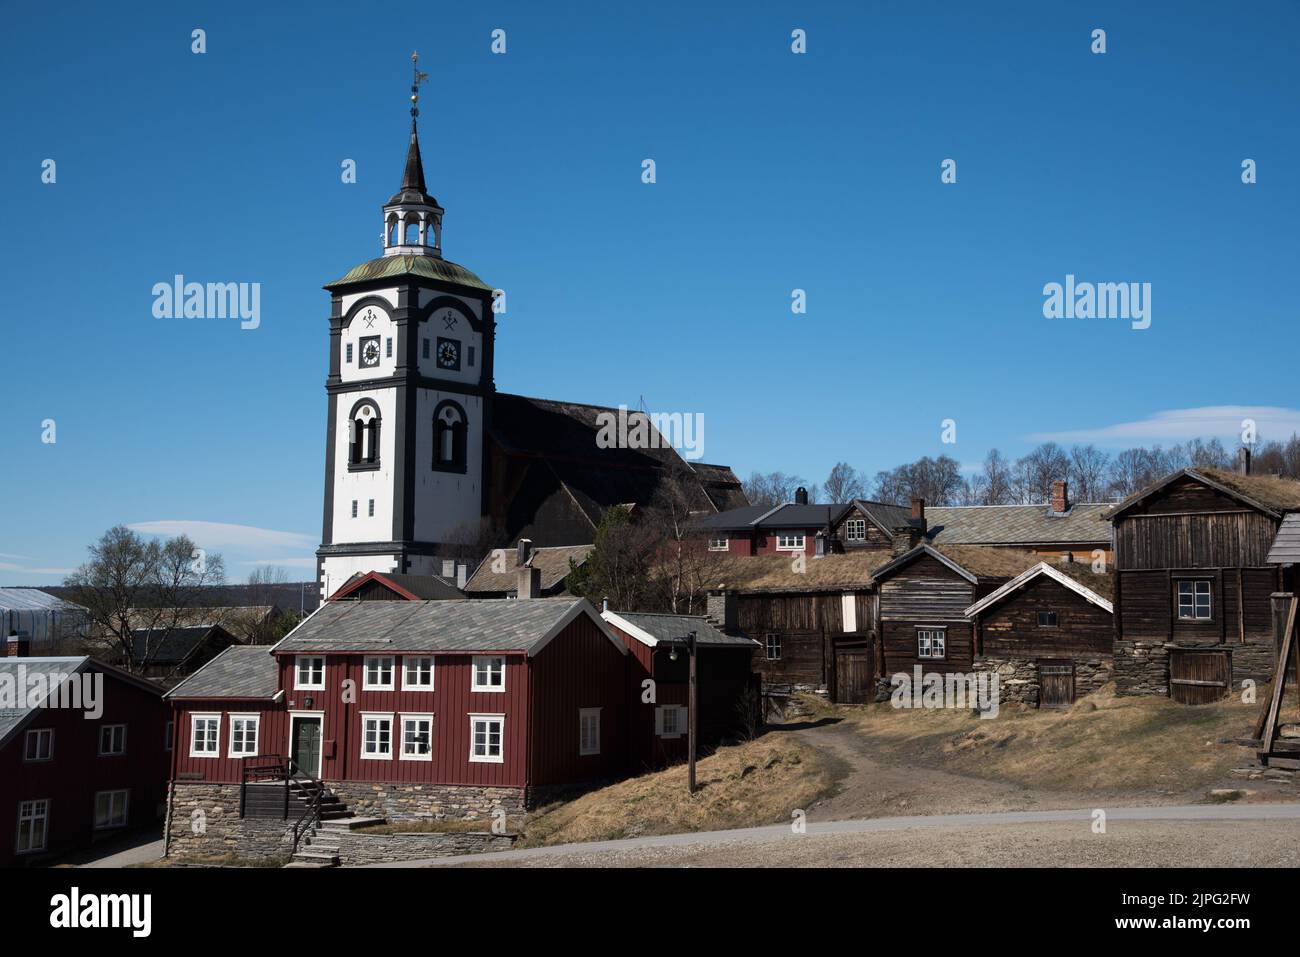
(746, 785)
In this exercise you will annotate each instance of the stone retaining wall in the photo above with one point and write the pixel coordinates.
(358, 847)
(1141, 668)
(428, 802)
(203, 821)
(1018, 680)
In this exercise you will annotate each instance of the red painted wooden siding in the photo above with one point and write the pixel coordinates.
(76, 772)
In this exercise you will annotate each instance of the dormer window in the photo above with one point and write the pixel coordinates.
(363, 437)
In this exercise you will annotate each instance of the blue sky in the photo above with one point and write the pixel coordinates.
(775, 172)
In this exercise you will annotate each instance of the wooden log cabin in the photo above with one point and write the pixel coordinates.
(1192, 572)
(1047, 634)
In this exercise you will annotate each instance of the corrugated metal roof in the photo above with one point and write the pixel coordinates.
(393, 627)
(1285, 549)
(32, 599)
(241, 671)
(426, 267)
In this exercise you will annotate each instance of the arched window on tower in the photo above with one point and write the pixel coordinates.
(363, 437)
(449, 437)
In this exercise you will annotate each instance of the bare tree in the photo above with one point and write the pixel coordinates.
(843, 484)
(774, 488)
(995, 483)
(938, 481)
(1087, 473)
(136, 588)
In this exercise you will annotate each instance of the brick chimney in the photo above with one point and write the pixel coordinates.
(1243, 461)
(801, 496)
(18, 645)
(721, 609)
(918, 511)
(523, 551)
(529, 582)
(1060, 496)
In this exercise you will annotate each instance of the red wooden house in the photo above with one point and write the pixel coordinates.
(727, 687)
(413, 709)
(83, 754)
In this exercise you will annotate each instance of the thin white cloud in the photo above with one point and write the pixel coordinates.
(224, 535)
(26, 570)
(308, 562)
(1178, 425)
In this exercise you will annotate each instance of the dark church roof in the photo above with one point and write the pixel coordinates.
(557, 482)
(413, 191)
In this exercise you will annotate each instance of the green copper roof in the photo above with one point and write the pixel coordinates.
(426, 267)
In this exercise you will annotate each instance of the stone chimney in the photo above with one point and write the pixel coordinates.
(523, 551)
(1060, 496)
(801, 496)
(530, 582)
(721, 609)
(18, 645)
(907, 537)
(1243, 461)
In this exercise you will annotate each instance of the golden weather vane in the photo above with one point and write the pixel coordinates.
(416, 80)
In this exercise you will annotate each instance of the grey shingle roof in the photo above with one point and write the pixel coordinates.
(789, 515)
(1286, 546)
(241, 671)
(12, 717)
(551, 561)
(885, 516)
(1017, 525)
(455, 625)
(663, 627)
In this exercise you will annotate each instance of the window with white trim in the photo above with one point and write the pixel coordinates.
(589, 731)
(789, 541)
(719, 543)
(243, 735)
(417, 737)
(309, 673)
(112, 740)
(1194, 603)
(205, 730)
(931, 643)
(379, 673)
(376, 736)
(486, 738)
(670, 720)
(111, 809)
(772, 645)
(33, 825)
(855, 530)
(39, 745)
(417, 674)
(489, 673)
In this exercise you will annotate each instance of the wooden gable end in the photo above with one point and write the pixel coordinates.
(925, 590)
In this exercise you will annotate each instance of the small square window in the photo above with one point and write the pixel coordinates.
(243, 735)
(111, 809)
(1194, 601)
(309, 673)
(112, 740)
(931, 643)
(39, 745)
(417, 737)
(417, 674)
(376, 736)
(670, 721)
(1047, 619)
(855, 530)
(379, 674)
(486, 734)
(205, 730)
(489, 673)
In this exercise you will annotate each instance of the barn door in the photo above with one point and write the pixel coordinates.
(1199, 675)
(853, 675)
(1056, 684)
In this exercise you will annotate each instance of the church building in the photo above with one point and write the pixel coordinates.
(424, 458)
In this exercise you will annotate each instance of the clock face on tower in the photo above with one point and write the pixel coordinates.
(370, 352)
(449, 354)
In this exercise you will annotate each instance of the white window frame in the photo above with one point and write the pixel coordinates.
(500, 756)
(428, 756)
(679, 721)
(301, 685)
(205, 716)
(855, 530)
(932, 635)
(791, 541)
(36, 735)
(112, 729)
(235, 720)
(474, 673)
(719, 543)
(770, 639)
(38, 809)
(584, 746)
(114, 822)
(407, 684)
(367, 716)
(1195, 595)
(367, 684)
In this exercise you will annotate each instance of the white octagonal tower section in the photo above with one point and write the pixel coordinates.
(371, 326)
(364, 483)
(447, 503)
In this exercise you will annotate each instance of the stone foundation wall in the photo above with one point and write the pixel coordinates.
(358, 847)
(427, 802)
(1141, 668)
(1018, 681)
(1253, 661)
(203, 821)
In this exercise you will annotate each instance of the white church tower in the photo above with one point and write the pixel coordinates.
(410, 391)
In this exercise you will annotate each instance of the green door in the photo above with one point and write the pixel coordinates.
(305, 747)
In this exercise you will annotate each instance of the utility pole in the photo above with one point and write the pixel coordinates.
(691, 710)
